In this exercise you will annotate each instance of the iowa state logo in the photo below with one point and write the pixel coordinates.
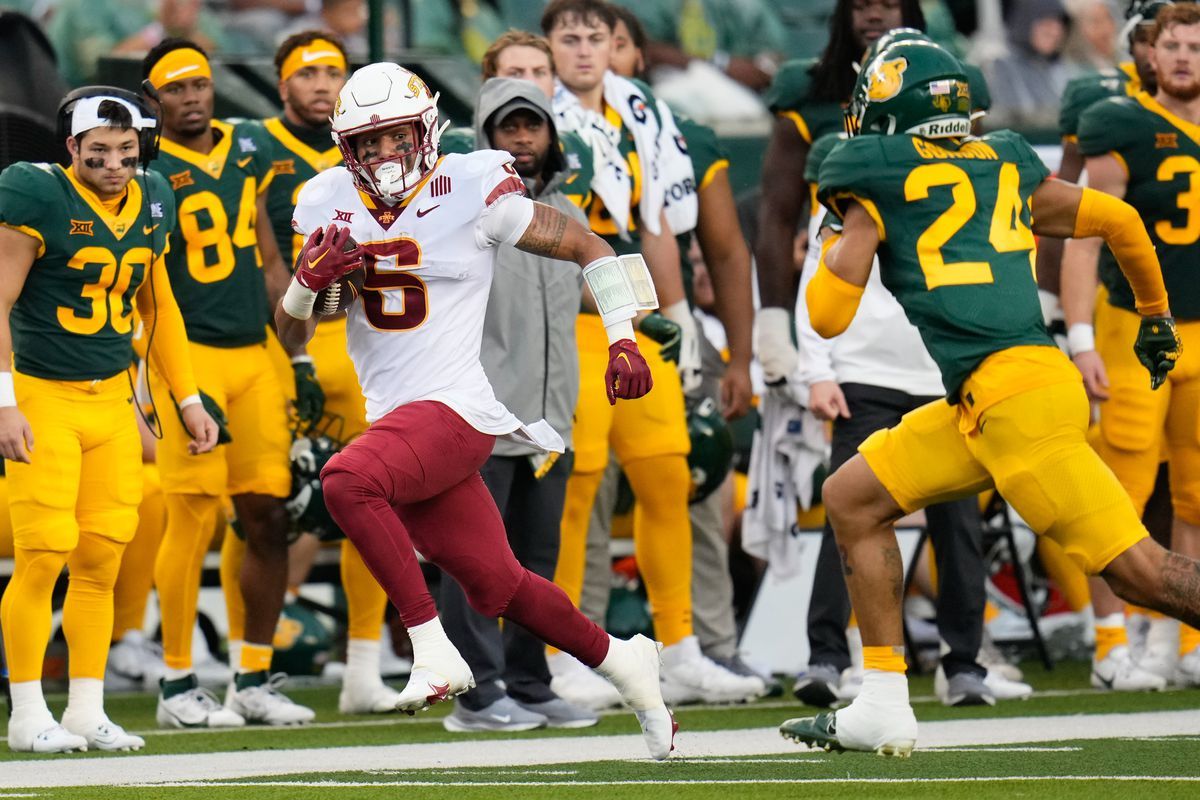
(886, 79)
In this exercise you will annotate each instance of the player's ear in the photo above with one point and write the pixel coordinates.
(72, 146)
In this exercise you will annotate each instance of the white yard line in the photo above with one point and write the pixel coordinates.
(519, 753)
(662, 782)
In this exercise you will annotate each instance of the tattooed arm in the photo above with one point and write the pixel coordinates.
(555, 235)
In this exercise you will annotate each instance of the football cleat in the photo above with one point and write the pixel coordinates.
(633, 668)
(1118, 672)
(868, 731)
(103, 734)
(266, 705)
(366, 695)
(1187, 672)
(580, 686)
(134, 662)
(194, 707)
(1004, 688)
(436, 676)
(688, 676)
(41, 734)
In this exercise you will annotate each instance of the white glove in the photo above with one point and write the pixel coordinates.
(689, 354)
(773, 344)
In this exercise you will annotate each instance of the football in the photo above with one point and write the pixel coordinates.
(339, 295)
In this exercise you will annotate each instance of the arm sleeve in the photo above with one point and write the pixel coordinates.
(1121, 227)
(504, 221)
(832, 302)
(159, 312)
(816, 352)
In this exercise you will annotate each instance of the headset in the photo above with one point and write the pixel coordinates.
(147, 137)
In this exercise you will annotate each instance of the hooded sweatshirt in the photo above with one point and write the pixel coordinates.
(529, 351)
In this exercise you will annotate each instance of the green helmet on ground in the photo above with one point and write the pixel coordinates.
(914, 87)
(711, 456)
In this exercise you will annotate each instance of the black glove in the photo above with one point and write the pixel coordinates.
(310, 398)
(668, 334)
(214, 411)
(1158, 347)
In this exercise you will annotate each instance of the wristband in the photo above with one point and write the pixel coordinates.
(190, 400)
(8, 395)
(1081, 338)
(621, 329)
(298, 301)
(303, 358)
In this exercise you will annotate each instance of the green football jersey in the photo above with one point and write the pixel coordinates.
(708, 157)
(788, 96)
(956, 247)
(576, 155)
(74, 318)
(297, 155)
(215, 263)
(1084, 90)
(1161, 154)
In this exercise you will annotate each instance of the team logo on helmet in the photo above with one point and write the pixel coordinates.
(886, 79)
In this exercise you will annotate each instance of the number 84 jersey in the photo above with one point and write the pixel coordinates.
(1160, 154)
(416, 331)
(956, 247)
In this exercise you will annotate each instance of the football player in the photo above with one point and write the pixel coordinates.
(79, 247)
(312, 70)
(1144, 149)
(225, 267)
(425, 229)
(952, 219)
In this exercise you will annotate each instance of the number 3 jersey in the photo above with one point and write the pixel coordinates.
(416, 331)
(956, 247)
(73, 320)
(215, 263)
(1160, 154)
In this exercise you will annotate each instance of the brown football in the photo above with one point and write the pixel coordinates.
(340, 295)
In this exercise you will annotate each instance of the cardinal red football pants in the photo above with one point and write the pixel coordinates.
(412, 481)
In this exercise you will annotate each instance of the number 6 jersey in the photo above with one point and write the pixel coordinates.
(955, 243)
(416, 331)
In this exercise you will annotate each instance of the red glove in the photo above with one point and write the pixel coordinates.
(326, 258)
(628, 374)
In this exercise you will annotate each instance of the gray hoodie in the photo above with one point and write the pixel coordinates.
(529, 349)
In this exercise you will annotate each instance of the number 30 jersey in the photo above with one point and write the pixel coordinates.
(956, 247)
(1161, 155)
(417, 329)
(215, 263)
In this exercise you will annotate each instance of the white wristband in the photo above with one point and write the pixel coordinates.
(680, 313)
(621, 329)
(8, 395)
(298, 301)
(303, 358)
(1081, 338)
(190, 400)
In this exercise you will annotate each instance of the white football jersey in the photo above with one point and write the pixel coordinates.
(416, 331)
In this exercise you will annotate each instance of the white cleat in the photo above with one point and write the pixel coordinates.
(103, 734)
(266, 705)
(1187, 671)
(1005, 688)
(688, 676)
(134, 662)
(1161, 653)
(366, 695)
(41, 734)
(580, 686)
(884, 729)
(633, 668)
(195, 708)
(1118, 672)
(436, 676)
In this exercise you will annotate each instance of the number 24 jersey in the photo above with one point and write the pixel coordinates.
(416, 331)
(956, 247)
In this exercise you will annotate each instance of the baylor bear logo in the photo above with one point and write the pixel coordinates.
(886, 79)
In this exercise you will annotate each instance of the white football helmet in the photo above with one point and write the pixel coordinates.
(378, 97)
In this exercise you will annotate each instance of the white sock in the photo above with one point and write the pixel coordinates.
(85, 699)
(1113, 620)
(426, 637)
(172, 674)
(362, 658)
(235, 654)
(612, 658)
(884, 687)
(28, 700)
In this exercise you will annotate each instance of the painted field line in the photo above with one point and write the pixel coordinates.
(524, 753)
(665, 782)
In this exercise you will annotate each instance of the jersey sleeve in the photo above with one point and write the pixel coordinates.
(578, 157)
(1107, 126)
(311, 211)
(500, 178)
(818, 153)
(1080, 94)
(704, 148)
(1012, 146)
(263, 161)
(25, 190)
(458, 140)
(789, 89)
(981, 96)
(847, 174)
(161, 199)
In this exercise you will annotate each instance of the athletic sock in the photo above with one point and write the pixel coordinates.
(1110, 634)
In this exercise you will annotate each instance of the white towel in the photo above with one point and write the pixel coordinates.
(787, 449)
(679, 176)
(611, 180)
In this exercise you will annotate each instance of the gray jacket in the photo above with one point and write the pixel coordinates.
(529, 349)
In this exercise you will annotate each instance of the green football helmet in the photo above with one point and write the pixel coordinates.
(302, 642)
(711, 456)
(306, 502)
(914, 87)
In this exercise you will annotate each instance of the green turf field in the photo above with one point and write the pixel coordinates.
(1149, 746)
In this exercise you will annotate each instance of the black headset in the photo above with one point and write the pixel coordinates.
(147, 137)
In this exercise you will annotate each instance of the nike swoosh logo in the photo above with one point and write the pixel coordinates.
(438, 692)
(308, 58)
(244, 161)
(627, 362)
(1107, 684)
(505, 718)
(423, 211)
(312, 262)
(149, 229)
(181, 71)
